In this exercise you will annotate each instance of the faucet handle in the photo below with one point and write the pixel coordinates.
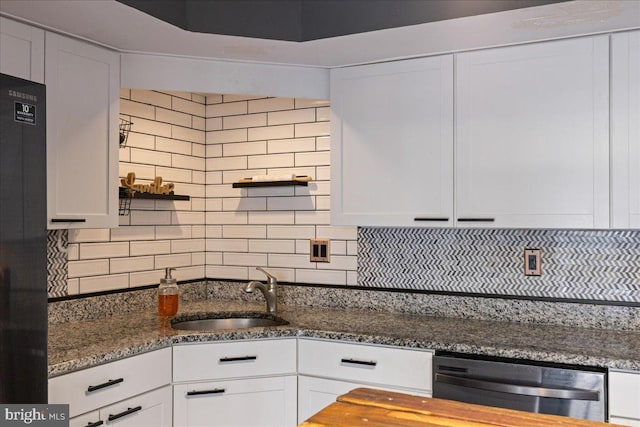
(272, 279)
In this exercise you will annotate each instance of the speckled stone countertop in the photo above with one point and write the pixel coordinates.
(76, 345)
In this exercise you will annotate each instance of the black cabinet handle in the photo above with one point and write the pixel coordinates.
(103, 385)
(476, 219)
(124, 413)
(426, 218)
(96, 424)
(68, 220)
(200, 392)
(360, 362)
(237, 359)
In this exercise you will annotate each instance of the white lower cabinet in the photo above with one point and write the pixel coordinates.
(624, 398)
(152, 409)
(240, 383)
(328, 369)
(267, 402)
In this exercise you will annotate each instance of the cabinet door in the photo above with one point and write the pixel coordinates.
(624, 396)
(315, 394)
(82, 134)
(21, 50)
(392, 143)
(257, 402)
(152, 409)
(625, 129)
(532, 135)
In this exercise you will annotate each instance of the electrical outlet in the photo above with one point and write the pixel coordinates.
(532, 262)
(319, 250)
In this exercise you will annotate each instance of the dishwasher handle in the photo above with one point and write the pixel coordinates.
(557, 393)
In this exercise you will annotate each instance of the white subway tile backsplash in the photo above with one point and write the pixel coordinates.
(103, 283)
(151, 97)
(198, 259)
(133, 233)
(244, 231)
(271, 161)
(213, 98)
(337, 232)
(125, 93)
(244, 148)
(137, 109)
(291, 116)
(325, 277)
(199, 123)
(291, 232)
(227, 272)
(310, 103)
(323, 203)
(141, 140)
(154, 247)
(73, 251)
(282, 274)
(227, 245)
(193, 190)
(187, 245)
(88, 268)
(124, 154)
(270, 132)
(185, 218)
(226, 218)
(142, 171)
(352, 278)
(188, 162)
(174, 175)
(213, 150)
(272, 246)
(173, 232)
(352, 247)
(187, 134)
(149, 217)
(337, 247)
(262, 217)
(226, 109)
(150, 157)
(200, 99)
(198, 231)
(151, 127)
(191, 273)
(244, 204)
(339, 262)
(227, 163)
(232, 176)
(126, 265)
(244, 121)
(321, 158)
(173, 145)
(323, 114)
(312, 129)
(323, 173)
(103, 250)
(271, 104)
(291, 145)
(223, 136)
(198, 177)
(234, 98)
(270, 191)
(248, 259)
(197, 204)
(313, 217)
(213, 258)
(189, 107)
(89, 235)
(290, 261)
(213, 123)
(174, 260)
(173, 117)
(144, 278)
(73, 286)
(223, 190)
(290, 203)
(198, 150)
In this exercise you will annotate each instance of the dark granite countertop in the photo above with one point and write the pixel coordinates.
(82, 344)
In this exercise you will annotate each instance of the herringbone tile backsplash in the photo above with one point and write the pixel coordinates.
(584, 265)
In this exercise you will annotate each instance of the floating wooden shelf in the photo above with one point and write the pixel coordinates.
(269, 184)
(137, 195)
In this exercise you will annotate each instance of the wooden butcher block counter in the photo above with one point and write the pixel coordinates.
(376, 408)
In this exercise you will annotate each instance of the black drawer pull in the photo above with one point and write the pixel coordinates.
(103, 385)
(200, 392)
(96, 424)
(476, 219)
(68, 220)
(124, 413)
(237, 359)
(360, 362)
(426, 218)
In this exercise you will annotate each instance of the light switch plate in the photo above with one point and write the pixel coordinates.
(319, 250)
(532, 262)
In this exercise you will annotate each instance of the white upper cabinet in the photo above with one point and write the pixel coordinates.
(21, 50)
(83, 83)
(392, 143)
(625, 129)
(532, 135)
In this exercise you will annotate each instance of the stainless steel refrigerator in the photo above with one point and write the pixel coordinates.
(23, 242)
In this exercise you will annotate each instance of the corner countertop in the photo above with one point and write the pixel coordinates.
(81, 344)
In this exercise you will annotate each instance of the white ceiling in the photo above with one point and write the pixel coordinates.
(126, 29)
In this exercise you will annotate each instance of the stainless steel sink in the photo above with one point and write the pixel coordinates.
(228, 321)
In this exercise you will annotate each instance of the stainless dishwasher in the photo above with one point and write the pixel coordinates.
(525, 386)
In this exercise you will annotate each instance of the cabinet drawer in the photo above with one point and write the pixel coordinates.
(365, 363)
(105, 384)
(624, 394)
(194, 362)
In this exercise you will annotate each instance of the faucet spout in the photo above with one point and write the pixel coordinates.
(269, 291)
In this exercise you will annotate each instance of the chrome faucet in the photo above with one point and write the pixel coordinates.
(270, 291)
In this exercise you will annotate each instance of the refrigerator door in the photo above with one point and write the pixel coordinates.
(23, 242)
